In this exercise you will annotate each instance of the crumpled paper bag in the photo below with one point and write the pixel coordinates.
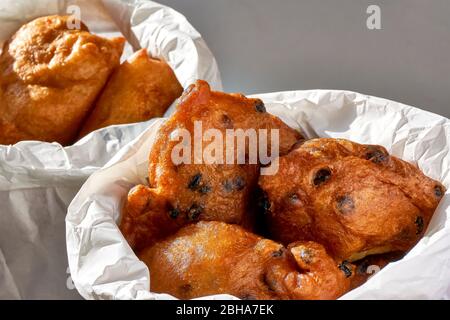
(38, 179)
(103, 266)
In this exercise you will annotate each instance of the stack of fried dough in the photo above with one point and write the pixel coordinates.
(59, 84)
(308, 231)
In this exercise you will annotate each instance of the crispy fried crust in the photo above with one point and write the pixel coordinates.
(185, 193)
(355, 199)
(214, 257)
(139, 89)
(49, 77)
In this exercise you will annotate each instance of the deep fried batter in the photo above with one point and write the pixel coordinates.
(184, 193)
(139, 89)
(355, 199)
(49, 77)
(214, 257)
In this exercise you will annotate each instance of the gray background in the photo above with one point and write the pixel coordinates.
(270, 45)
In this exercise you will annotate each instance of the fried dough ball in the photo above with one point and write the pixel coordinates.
(214, 257)
(139, 89)
(49, 78)
(184, 193)
(355, 199)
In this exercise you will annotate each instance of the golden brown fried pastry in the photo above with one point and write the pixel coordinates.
(214, 257)
(184, 193)
(49, 77)
(355, 199)
(139, 89)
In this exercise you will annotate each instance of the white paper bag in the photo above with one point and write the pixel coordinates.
(38, 179)
(104, 266)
